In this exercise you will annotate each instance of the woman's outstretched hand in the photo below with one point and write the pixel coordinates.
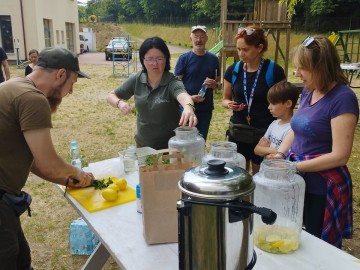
(188, 116)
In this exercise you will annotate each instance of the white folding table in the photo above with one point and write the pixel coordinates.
(120, 231)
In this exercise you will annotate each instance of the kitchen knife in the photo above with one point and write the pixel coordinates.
(92, 183)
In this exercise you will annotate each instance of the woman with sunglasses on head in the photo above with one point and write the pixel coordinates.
(157, 94)
(245, 93)
(321, 139)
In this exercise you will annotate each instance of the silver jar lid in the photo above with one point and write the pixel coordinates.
(215, 181)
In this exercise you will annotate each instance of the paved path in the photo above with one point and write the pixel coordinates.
(176, 49)
(99, 57)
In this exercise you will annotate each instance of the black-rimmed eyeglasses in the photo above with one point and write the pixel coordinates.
(152, 61)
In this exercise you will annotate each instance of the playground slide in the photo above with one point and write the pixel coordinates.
(333, 38)
(217, 48)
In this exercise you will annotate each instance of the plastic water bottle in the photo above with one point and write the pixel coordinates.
(202, 91)
(75, 155)
(130, 159)
(138, 199)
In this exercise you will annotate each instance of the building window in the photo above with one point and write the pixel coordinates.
(6, 35)
(47, 33)
(70, 36)
(58, 37)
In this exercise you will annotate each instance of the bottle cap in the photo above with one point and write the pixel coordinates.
(73, 144)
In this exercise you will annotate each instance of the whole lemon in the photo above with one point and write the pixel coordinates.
(109, 194)
(114, 187)
(122, 183)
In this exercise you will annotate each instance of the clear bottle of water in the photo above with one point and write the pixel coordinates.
(202, 91)
(75, 155)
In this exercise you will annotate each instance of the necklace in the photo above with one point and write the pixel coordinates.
(250, 99)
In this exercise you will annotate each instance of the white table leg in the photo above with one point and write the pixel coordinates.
(97, 259)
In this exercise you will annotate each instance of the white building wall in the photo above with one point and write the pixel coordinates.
(59, 12)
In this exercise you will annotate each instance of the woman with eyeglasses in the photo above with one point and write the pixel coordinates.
(157, 94)
(245, 93)
(321, 139)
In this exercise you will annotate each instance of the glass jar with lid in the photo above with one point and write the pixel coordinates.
(226, 151)
(281, 189)
(188, 141)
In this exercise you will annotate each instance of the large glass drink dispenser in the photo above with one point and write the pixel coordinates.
(280, 188)
(226, 151)
(188, 142)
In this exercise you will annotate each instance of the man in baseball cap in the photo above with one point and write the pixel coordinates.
(58, 57)
(199, 70)
(26, 105)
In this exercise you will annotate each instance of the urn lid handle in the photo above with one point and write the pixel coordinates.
(216, 167)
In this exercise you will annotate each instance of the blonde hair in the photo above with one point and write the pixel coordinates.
(322, 60)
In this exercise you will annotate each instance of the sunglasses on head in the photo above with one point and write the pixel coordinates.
(248, 31)
(309, 41)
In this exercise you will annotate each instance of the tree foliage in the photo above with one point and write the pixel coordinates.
(290, 6)
(152, 11)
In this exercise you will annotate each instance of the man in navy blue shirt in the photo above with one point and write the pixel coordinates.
(200, 69)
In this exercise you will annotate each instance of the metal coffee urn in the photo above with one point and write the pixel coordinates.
(215, 218)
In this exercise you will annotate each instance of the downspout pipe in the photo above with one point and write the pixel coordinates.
(23, 28)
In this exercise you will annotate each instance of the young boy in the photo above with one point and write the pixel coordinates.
(282, 99)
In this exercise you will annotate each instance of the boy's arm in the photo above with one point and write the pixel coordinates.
(284, 146)
(263, 148)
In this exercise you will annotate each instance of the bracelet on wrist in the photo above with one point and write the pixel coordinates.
(191, 106)
(281, 154)
(117, 103)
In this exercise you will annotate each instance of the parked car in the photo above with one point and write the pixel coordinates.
(83, 44)
(120, 48)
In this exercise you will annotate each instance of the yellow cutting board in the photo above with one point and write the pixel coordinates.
(91, 199)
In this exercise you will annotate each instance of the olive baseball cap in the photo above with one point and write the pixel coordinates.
(58, 57)
(198, 27)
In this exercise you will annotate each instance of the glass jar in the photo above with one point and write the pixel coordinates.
(226, 151)
(130, 159)
(188, 141)
(281, 189)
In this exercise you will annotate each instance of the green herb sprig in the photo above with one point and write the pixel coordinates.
(102, 184)
(149, 160)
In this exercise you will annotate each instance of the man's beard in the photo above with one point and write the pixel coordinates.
(55, 98)
(54, 103)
